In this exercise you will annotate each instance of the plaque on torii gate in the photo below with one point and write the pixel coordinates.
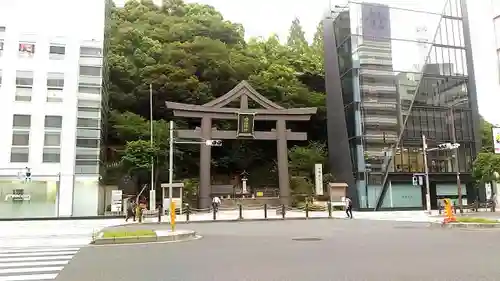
(246, 117)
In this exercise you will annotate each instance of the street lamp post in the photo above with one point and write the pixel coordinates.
(171, 143)
(443, 146)
(152, 191)
(170, 164)
(426, 168)
(455, 154)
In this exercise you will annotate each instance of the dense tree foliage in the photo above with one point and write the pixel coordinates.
(190, 54)
(487, 163)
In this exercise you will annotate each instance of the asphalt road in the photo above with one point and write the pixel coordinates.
(267, 251)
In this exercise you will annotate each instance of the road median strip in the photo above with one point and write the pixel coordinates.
(468, 222)
(107, 237)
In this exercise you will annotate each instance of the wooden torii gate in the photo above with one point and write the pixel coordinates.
(246, 116)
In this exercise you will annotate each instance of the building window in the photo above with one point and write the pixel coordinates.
(90, 70)
(1, 47)
(57, 52)
(87, 143)
(19, 154)
(87, 167)
(51, 155)
(89, 89)
(26, 49)
(21, 138)
(24, 85)
(21, 121)
(55, 83)
(89, 109)
(87, 123)
(53, 122)
(55, 86)
(52, 139)
(90, 52)
(21, 125)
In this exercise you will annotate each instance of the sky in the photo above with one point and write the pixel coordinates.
(265, 17)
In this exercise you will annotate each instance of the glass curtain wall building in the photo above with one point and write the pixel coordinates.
(404, 70)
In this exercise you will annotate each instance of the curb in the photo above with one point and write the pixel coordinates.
(464, 225)
(231, 220)
(63, 218)
(183, 236)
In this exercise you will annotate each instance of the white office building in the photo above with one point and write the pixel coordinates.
(496, 22)
(51, 72)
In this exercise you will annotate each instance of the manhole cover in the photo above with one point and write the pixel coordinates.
(306, 239)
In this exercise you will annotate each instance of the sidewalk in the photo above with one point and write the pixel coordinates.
(408, 216)
(21, 229)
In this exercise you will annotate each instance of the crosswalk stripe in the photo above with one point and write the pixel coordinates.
(2, 260)
(37, 254)
(30, 269)
(33, 263)
(34, 277)
(35, 250)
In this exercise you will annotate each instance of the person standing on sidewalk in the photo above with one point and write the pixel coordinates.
(348, 207)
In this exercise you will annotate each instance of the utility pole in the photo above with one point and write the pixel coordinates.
(455, 154)
(427, 187)
(170, 164)
(152, 192)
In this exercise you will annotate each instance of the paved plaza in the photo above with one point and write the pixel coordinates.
(299, 250)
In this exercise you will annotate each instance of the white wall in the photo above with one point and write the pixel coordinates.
(46, 22)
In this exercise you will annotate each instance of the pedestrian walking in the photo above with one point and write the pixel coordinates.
(130, 213)
(348, 207)
(216, 203)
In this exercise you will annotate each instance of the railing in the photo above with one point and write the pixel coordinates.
(240, 212)
(472, 207)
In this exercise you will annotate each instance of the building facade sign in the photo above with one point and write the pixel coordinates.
(496, 140)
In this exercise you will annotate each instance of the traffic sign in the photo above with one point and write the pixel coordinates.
(418, 179)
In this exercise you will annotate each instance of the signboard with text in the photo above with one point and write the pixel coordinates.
(318, 175)
(116, 200)
(246, 125)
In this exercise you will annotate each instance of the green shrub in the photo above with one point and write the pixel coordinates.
(475, 220)
(301, 185)
(133, 233)
(312, 207)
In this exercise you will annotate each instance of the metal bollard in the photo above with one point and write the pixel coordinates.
(240, 209)
(214, 208)
(159, 213)
(283, 210)
(307, 210)
(265, 211)
(188, 212)
(329, 209)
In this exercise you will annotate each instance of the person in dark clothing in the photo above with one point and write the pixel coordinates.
(130, 211)
(348, 207)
